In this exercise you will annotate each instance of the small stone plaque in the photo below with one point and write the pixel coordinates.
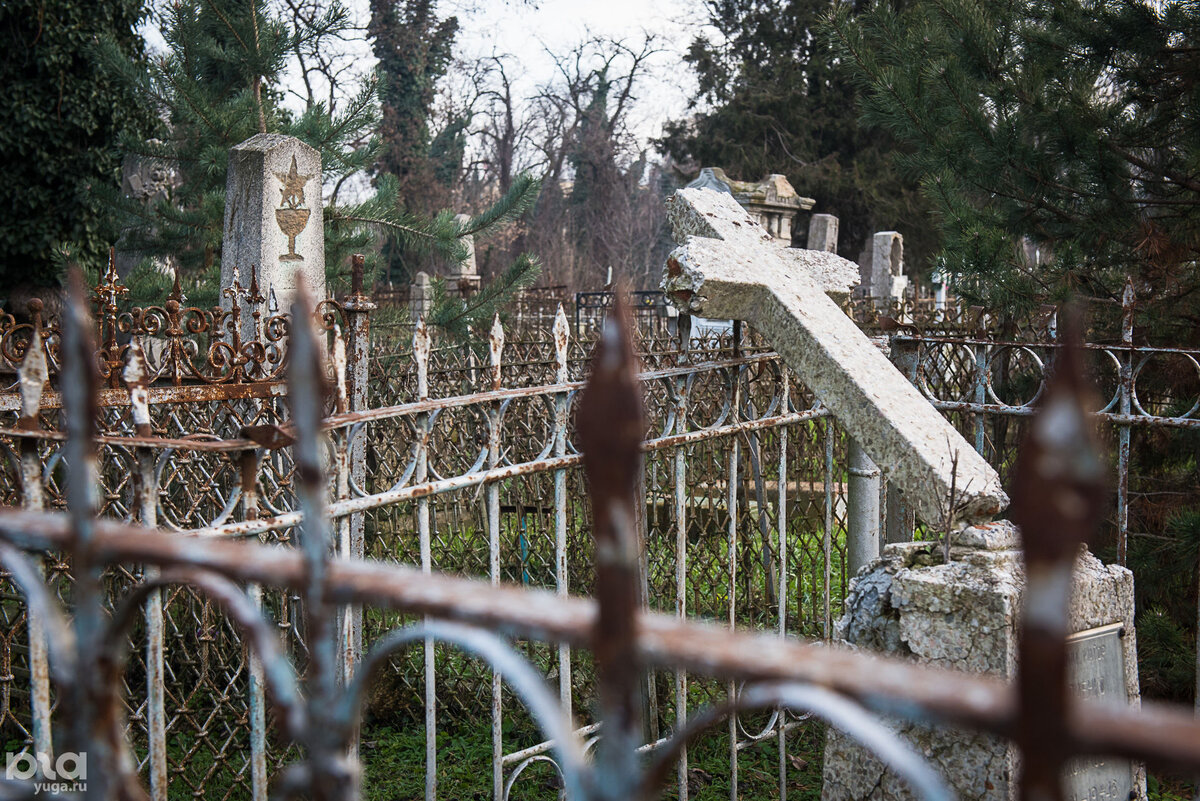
(1097, 673)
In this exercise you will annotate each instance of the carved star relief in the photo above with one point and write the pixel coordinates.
(293, 186)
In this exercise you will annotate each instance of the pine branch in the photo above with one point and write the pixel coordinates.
(458, 316)
(519, 198)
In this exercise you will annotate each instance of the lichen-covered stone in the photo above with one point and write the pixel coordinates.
(728, 267)
(961, 615)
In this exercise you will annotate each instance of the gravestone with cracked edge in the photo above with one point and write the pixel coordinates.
(962, 615)
(273, 221)
(728, 267)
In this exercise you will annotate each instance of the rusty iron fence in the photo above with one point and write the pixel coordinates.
(315, 718)
(459, 459)
(991, 386)
(447, 457)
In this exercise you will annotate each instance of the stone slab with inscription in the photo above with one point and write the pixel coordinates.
(964, 615)
(1097, 673)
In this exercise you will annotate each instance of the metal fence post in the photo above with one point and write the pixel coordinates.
(899, 518)
(680, 386)
(421, 349)
(1128, 299)
(862, 508)
(495, 351)
(33, 375)
(136, 380)
(561, 574)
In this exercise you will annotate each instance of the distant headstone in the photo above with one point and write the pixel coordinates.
(420, 296)
(465, 275)
(882, 267)
(147, 180)
(773, 202)
(965, 615)
(823, 233)
(274, 224)
(1097, 672)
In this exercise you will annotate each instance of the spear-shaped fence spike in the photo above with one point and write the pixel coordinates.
(421, 347)
(562, 335)
(331, 774)
(1058, 493)
(33, 375)
(496, 349)
(611, 424)
(79, 381)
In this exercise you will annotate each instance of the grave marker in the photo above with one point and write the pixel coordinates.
(273, 220)
(728, 267)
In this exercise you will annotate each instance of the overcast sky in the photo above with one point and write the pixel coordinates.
(529, 29)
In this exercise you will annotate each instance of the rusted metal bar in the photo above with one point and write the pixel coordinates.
(87, 730)
(1163, 735)
(610, 426)
(357, 307)
(332, 775)
(1058, 491)
(248, 466)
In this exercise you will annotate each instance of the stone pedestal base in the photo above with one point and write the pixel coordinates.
(961, 615)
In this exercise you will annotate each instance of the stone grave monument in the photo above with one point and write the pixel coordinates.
(420, 295)
(881, 267)
(962, 614)
(773, 202)
(965, 615)
(274, 226)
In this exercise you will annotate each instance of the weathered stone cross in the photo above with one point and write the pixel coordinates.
(729, 267)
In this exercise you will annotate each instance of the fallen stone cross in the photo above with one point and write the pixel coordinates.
(729, 266)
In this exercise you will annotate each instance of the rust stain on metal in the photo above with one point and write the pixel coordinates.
(611, 424)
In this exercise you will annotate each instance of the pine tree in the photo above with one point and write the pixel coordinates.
(218, 85)
(773, 100)
(1066, 128)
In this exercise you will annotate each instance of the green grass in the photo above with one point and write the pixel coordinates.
(394, 765)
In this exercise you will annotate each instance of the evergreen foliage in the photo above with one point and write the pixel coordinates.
(1070, 125)
(461, 317)
(218, 85)
(774, 100)
(58, 128)
(414, 48)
